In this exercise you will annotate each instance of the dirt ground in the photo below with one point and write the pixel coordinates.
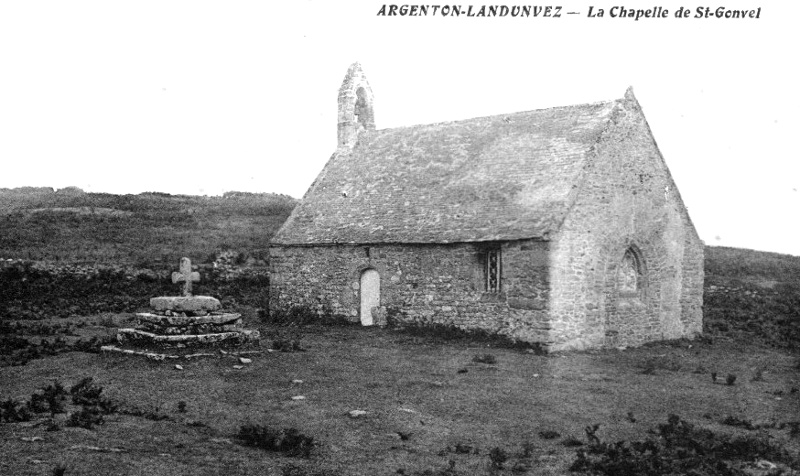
(431, 406)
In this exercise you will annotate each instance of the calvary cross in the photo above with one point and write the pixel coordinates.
(186, 275)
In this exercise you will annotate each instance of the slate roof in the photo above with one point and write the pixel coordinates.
(495, 178)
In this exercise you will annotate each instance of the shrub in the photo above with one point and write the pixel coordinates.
(51, 399)
(758, 375)
(92, 346)
(730, 379)
(485, 359)
(591, 433)
(648, 368)
(731, 420)
(498, 457)
(287, 440)
(527, 449)
(12, 411)
(287, 345)
(464, 449)
(794, 428)
(37, 403)
(87, 417)
(153, 414)
(571, 441)
(86, 393)
(680, 448)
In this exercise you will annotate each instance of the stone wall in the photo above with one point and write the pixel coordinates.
(224, 268)
(420, 284)
(626, 200)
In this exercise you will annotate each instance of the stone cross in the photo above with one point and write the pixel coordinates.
(186, 275)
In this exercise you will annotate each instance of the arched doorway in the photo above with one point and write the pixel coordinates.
(370, 295)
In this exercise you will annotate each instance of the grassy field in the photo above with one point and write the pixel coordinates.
(432, 406)
(435, 405)
(149, 230)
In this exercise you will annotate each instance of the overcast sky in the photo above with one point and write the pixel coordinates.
(203, 97)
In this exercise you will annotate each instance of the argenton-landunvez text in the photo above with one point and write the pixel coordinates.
(562, 11)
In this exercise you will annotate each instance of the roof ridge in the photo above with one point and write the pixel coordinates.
(503, 115)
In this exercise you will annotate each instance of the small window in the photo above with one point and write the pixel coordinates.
(493, 268)
(629, 277)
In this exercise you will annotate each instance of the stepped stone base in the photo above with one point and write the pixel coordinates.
(183, 322)
(185, 303)
(216, 318)
(112, 349)
(142, 338)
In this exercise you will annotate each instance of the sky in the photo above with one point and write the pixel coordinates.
(202, 97)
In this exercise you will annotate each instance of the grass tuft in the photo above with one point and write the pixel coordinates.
(289, 441)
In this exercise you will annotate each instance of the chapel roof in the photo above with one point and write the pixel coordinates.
(497, 178)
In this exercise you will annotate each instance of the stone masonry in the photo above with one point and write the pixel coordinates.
(560, 226)
(422, 284)
(186, 321)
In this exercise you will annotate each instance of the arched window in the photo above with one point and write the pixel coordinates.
(629, 275)
(363, 109)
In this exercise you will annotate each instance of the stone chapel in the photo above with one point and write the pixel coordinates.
(557, 226)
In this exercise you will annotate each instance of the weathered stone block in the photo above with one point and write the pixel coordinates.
(139, 337)
(523, 303)
(185, 303)
(178, 321)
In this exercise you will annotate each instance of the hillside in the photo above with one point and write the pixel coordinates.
(429, 402)
(752, 293)
(747, 292)
(149, 230)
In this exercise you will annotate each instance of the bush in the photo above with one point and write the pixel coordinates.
(498, 457)
(153, 414)
(12, 411)
(51, 399)
(464, 449)
(485, 359)
(680, 448)
(85, 392)
(92, 346)
(794, 428)
(571, 442)
(738, 422)
(549, 435)
(287, 345)
(288, 441)
(87, 417)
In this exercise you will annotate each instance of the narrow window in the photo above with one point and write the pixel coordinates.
(629, 279)
(493, 265)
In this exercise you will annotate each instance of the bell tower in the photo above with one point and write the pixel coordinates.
(355, 107)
